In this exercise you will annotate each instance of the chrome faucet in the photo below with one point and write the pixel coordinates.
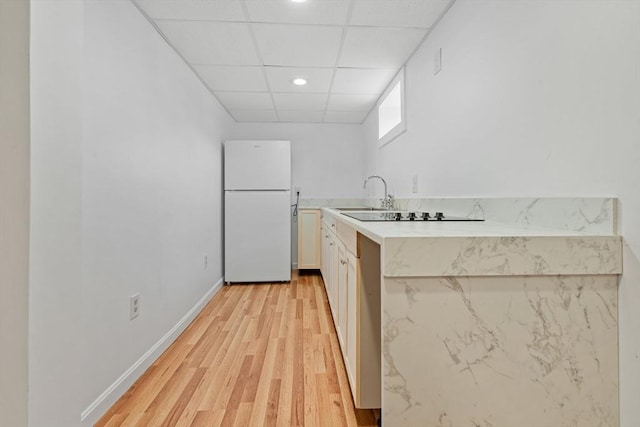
(387, 202)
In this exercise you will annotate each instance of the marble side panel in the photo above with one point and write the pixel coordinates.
(500, 352)
(591, 215)
(502, 256)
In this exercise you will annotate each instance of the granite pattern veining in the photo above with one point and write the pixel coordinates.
(502, 256)
(591, 215)
(510, 322)
(500, 351)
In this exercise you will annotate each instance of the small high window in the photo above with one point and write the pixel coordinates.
(391, 111)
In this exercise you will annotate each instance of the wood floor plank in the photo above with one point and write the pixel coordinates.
(181, 403)
(256, 355)
(273, 403)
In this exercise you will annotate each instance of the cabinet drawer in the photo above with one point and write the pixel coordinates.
(329, 222)
(348, 236)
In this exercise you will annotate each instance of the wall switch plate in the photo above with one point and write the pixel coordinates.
(437, 61)
(134, 306)
(414, 184)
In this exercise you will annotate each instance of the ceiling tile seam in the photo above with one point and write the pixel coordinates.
(336, 110)
(356, 94)
(257, 91)
(296, 24)
(245, 12)
(201, 64)
(347, 19)
(177, 52)
(254, 92)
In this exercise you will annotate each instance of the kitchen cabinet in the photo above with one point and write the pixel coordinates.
(407, 309)
(309, 237)
(341, 297)
(353, 282)
(324, 248)
(335, 276)
(355, 323)
(330, 264)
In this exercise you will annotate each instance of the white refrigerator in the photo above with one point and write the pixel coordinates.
(257, 211)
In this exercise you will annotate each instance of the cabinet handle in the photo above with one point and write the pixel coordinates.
(343, 262)
(333, 225)
(331, 244)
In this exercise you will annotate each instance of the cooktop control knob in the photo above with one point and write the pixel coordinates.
(412, 216)
(398, 216)
(439, 216)
(426, 216)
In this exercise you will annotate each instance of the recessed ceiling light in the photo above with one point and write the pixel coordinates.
(299, 81)
(298, 1)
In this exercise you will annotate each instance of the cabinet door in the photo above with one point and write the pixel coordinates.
(326, 259)
(308, 239)
(353, 282)
(323, 244)
(332, 276)
(341, 297)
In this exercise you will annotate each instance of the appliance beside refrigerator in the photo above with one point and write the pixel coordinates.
(257, 196)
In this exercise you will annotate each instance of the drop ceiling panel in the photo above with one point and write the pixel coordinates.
(254, 115)
(199, 10)
(214, 43)
(298, 45)
(379, 47)
(351, 102)
(345, 116)
(397, 13)
(329, 12)
(232, 78)
(280, 79)
(362, 81)
(245, 100)
(248, 52)
(300, 116)
(300, 101)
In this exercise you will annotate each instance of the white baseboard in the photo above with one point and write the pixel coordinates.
(99, 406)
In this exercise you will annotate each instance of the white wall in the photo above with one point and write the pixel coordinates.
(55, 285)
(535, 98)
(326, 158)
(126, 199)
(14, 210)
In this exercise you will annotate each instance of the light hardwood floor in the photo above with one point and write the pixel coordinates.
(257, 355)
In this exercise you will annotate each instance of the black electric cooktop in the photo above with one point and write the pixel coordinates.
(405, 216)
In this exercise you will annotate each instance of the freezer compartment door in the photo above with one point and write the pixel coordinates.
(257, 165)
(257, 236)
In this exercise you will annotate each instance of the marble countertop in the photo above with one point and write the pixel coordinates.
(379, 230)
(486, 248)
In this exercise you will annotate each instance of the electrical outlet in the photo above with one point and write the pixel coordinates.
(206, 261)
(134, 306)
(298, 190)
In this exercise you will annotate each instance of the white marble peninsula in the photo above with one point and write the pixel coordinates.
(492, 324)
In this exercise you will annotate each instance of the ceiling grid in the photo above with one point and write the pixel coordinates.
(248, 52)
